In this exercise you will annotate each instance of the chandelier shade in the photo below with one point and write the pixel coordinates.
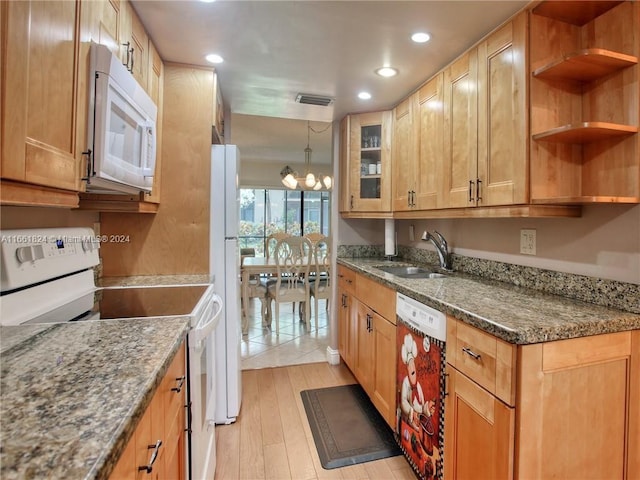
(291, 179)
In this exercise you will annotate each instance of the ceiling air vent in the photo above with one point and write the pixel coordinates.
(309, 99)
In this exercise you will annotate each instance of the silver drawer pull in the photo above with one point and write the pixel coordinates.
(152, 460)
(471, 353)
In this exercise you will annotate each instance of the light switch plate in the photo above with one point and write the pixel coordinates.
(528, 241)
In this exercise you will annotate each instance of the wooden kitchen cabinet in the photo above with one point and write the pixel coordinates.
(367, 337)
(485, 119)
(134, 41)
(42, 120)
(562, 409)
(584, 94)
(346, 325)
(164, 420)
(405, 165)
(369, 192)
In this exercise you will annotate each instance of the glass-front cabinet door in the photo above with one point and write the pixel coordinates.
(370, 162)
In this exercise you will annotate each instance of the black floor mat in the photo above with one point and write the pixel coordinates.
(347, 429)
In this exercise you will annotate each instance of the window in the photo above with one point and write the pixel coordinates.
(264, 211)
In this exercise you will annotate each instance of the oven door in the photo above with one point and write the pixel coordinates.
(124, 141)
(202, 391)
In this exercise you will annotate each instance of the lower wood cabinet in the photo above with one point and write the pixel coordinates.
(158, 441)
(367, 337)
(563, 409)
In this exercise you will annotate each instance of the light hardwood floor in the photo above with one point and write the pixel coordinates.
(271, 438)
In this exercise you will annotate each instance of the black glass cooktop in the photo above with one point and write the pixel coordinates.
(129, 302)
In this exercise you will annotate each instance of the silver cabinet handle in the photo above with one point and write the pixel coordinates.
(471, 353)
(478, 195)
(156, 448)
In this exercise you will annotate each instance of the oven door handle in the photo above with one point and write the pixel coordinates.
(209, 320)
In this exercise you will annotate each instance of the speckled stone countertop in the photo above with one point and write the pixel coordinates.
(72, 393)
(153, 280)
(515, 314)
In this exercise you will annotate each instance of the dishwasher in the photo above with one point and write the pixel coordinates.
(421, 336)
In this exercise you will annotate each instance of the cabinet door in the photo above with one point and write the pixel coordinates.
(461, 132)
(344, 204)
(365, 346)
(370, 144)
(430, 135)
(404, 156)
(344, 327)
(384, 383)
(574, 405)
(502, 126)
(134, 34)
(479, 432)
(41, 113)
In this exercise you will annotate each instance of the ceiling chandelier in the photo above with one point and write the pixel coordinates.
(290, 178)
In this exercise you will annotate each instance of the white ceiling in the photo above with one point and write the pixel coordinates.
(274, 50)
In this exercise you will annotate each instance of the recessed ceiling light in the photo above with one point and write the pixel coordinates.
(207, 1)
(420, 37)
(387, 72)
(364, 95)
(214, 58)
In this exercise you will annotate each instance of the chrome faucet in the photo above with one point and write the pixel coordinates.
(441, 247)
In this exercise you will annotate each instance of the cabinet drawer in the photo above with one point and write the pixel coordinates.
(379, 298)
(173, 400)
(347, 280)
(485, 359)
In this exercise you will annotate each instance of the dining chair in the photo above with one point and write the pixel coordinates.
(271, 241)
(293, 258)
(315, 237)
(255, 289)
(320, 287)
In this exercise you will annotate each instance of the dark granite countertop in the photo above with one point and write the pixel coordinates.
(72, 393)
(515, 314)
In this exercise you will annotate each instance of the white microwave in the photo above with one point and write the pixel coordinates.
(121, 128)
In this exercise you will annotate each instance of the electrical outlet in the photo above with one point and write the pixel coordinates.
(528, 241)
(412, 233)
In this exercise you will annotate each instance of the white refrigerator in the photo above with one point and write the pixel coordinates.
(224, 264)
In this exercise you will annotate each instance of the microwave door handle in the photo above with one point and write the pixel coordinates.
(148, 151)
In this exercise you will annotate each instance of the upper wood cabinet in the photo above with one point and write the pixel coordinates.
(485, 122)
(217, 121)
(404, 155)
(502, 176)
(42, 120)
(585, 103)
(134, 43)
(344, 200)
(460, 132)
(370, 163)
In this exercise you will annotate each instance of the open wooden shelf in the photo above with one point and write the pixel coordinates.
(585, 132)
(575, 12)
(584, 199)
(586, 65)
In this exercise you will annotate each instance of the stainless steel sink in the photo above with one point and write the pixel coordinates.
(411, 272)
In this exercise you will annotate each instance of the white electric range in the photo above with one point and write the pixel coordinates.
(46, 276)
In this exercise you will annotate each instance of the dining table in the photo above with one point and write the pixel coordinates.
(255, 266)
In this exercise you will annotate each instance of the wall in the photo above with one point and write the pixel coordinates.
(175, 240)
(603, 243)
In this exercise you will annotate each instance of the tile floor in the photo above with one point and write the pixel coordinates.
(262, 348)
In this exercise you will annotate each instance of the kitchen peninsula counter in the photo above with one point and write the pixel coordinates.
(515, 314)
(72, 393)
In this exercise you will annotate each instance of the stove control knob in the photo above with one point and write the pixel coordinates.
(25, 254)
